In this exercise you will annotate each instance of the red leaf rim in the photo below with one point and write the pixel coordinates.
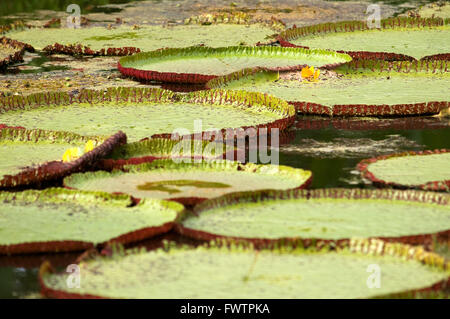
(440, 186)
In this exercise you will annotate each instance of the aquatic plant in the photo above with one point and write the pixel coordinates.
(362, 88)
(32, 157)
(190, 182)
(160, 112)
(60, 220)
(400, 38)
(330, 215)
(426, 170)
(201, 64)
(240, 271)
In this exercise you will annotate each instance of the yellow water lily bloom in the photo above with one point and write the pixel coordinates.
(89, 146)
(71, 154)
(309, 74)
(316, 75)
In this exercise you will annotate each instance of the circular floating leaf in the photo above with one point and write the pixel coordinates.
(143, 112)
(190, 182)
(428, 170)
(149, 150)
(363, 88)
(398, 38)
(146, 38)
(31, 157)
(56, 220)
(201, 64)
(241, 272)
(328, 214)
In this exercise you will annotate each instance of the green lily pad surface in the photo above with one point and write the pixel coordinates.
(412, 170)
(246, 273)
(355, 86)
(22, 148)
(166, 179)
(147, 38)
(411, 37)
(331, 214)
(141, 113)
(198, 63)
(37, 221)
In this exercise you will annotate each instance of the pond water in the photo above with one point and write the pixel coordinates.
(329, 148)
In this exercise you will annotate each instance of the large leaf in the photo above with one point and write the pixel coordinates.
(428, 170)
(57, 220)
(366, 88)
(143, 112)
(32, 157)
(398, 38)
(200, 64)
(190, 182)
(326, 214)
(241, 272)
(146, 38)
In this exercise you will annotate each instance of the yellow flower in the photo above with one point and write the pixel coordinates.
(71, 154)
(89, 146)
(316, 75)
(309, 74)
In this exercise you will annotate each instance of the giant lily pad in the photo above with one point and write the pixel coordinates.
(398, 39)
(327, 214)
(146, 38)
(149, 150)
(56, 220)
(428, 170)
(190, 182)
(242, 272)
(200, 64)
(32, 157)
(363, 88)
(143, 112)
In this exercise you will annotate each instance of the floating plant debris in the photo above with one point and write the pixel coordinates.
(362, 88)
(190, 182)
(201, 64)
(400, 38)
(58, 220)
(11, 51)
(426, 170)
(323, 214)
(242, 272)
(32, 157)
(144, 112)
